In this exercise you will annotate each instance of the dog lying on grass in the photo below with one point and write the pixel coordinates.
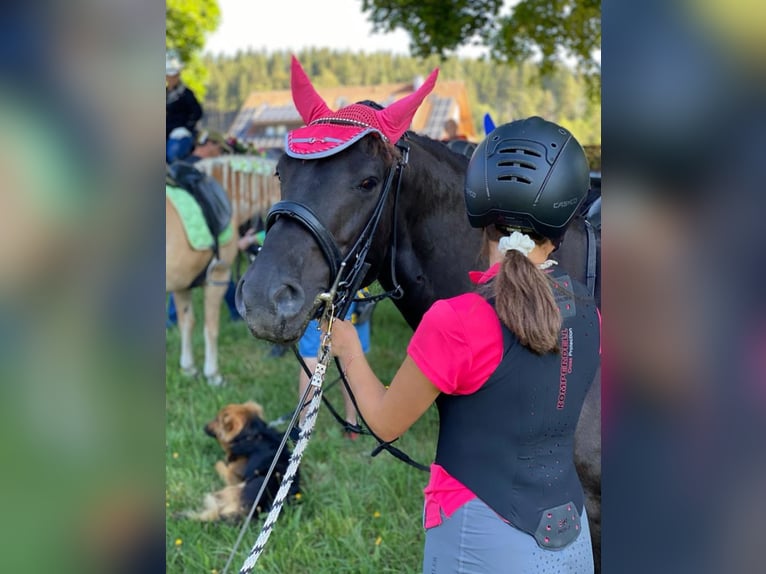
(249, 445)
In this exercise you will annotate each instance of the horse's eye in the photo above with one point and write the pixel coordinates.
(368, 184)
(276, 174)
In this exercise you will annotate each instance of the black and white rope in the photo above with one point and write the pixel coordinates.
(307, 427)
(292, 468)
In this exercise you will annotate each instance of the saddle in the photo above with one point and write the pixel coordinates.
(594, 214)
(594, 194)
(591, 211)
(207, 192)
(462, 147)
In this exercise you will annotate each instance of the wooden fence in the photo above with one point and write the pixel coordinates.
(249, 180)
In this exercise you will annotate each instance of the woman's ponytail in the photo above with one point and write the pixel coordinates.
(525, 303)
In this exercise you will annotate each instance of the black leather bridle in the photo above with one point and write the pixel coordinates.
(353, 266)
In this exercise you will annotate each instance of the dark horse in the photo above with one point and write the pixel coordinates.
(423, 244)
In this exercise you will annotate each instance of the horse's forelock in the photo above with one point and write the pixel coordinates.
(389, 153)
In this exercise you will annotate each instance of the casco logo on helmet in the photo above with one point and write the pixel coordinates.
(566, 203)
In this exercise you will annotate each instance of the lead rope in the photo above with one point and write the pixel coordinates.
(315, 385)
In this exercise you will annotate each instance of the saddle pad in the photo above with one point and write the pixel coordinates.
(195, 226)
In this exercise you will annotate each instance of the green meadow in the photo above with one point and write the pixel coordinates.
(357, 514)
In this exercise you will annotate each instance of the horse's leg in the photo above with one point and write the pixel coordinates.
(587, 452)
(215, 289)
(213, 298)
(185, 313)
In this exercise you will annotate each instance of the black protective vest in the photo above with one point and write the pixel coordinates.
(511, 442)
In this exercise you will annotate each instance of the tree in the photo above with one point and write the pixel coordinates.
(187, 23)
(506, 91)
(554, 31)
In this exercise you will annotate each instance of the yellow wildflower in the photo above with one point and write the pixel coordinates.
(179, 542)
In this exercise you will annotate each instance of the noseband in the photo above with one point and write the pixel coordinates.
(309, 220)
(353, 265)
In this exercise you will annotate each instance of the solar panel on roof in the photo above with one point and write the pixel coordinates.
(279, 114)
(440, 113)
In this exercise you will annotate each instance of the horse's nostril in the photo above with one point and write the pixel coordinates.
(288, 300)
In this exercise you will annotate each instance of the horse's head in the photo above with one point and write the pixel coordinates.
(277, 293)
(332, 176)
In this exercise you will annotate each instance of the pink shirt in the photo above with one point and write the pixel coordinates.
(457, 346)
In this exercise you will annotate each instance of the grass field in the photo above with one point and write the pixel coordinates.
(358, 514)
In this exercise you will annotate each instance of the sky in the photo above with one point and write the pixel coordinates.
(293, 24)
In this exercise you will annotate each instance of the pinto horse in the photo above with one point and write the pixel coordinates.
(251, 188)
(422, 248)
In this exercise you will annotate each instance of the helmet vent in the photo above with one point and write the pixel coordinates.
(521, 150)
(518, 178)
(516, 163)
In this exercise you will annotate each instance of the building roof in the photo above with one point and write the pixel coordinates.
(265, 115)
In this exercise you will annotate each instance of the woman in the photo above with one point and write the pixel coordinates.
(508, 366)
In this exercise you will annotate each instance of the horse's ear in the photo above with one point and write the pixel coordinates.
(489, 124)
(396, 118)
(308, 102)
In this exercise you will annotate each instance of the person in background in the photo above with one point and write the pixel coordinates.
(181, 106)
(208, 144)
(508, 365)
(179, 145)
(450, 131)
(248, 243)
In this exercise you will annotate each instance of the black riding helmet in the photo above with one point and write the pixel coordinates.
(529, 174)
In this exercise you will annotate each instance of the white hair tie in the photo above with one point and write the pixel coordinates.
(516, 241)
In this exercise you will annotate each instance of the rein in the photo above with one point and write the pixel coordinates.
(382, 445)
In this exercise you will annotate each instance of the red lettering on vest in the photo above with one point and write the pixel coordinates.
(566, 368)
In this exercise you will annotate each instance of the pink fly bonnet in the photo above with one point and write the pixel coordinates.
(327, 132)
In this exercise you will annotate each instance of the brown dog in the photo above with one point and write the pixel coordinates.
(250, 446)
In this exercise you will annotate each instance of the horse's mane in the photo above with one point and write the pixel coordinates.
(436, 148)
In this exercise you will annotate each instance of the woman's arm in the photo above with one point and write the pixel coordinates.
(388, 411)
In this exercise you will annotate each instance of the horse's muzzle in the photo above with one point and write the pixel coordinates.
(276, 314)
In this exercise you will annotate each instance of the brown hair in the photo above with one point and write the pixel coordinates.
(524, 299)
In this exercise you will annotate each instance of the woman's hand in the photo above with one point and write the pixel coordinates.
(247, 240)
(344, 340)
